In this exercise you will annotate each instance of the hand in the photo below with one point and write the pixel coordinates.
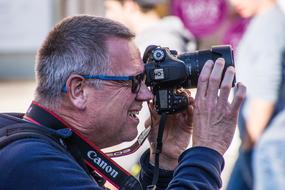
(215, 119)
(176, 135)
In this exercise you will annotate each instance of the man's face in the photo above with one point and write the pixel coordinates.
(115, 106)
(246, 8)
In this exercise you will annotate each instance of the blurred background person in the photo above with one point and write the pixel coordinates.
(259, 66)
(211, 22)
(269, 157)
(152, 24)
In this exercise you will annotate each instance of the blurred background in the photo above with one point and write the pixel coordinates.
(198, 23)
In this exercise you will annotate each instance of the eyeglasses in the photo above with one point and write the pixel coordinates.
(136, 80)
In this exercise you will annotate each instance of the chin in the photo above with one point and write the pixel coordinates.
(131, 135)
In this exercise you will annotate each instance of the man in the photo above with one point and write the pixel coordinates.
(259, 66)
(77, 52)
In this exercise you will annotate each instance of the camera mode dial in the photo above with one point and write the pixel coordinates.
(158, 55)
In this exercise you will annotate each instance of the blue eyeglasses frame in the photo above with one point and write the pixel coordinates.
(136, 80)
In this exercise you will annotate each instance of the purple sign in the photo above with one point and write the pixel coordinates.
(201, 17)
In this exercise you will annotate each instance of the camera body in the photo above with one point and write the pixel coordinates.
(166, 72)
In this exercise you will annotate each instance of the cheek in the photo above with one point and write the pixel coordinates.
(126, 98)
(119, 107)
(117, 104)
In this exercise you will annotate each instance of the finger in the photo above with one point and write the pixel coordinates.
(185, 92)
(190, 99)
(238, 98)
(190, 112)
(187, 114)
(215, 79)
(226, 85)
(151, 108)
(204, 78)
(147, 123)
(154, 117)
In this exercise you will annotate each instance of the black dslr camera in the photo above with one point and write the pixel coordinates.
(166, 72)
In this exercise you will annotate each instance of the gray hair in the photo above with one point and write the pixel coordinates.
(77, 45)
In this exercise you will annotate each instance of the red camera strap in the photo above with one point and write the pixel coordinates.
(129, 150)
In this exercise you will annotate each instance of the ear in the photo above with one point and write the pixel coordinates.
(76, 91)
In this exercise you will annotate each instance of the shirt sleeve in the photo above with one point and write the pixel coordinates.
(198, 168)
(35, 164)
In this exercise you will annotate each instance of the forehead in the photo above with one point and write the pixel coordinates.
(124, 57)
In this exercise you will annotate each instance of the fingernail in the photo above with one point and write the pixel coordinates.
(209, 61)
(221, 59)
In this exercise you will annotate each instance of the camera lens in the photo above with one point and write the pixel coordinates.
(195, 61)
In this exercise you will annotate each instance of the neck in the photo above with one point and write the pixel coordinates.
(72, 118)
(94, 133)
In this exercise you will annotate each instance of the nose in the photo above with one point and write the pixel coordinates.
(144, 94)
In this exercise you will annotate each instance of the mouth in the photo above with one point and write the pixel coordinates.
(133, 115)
